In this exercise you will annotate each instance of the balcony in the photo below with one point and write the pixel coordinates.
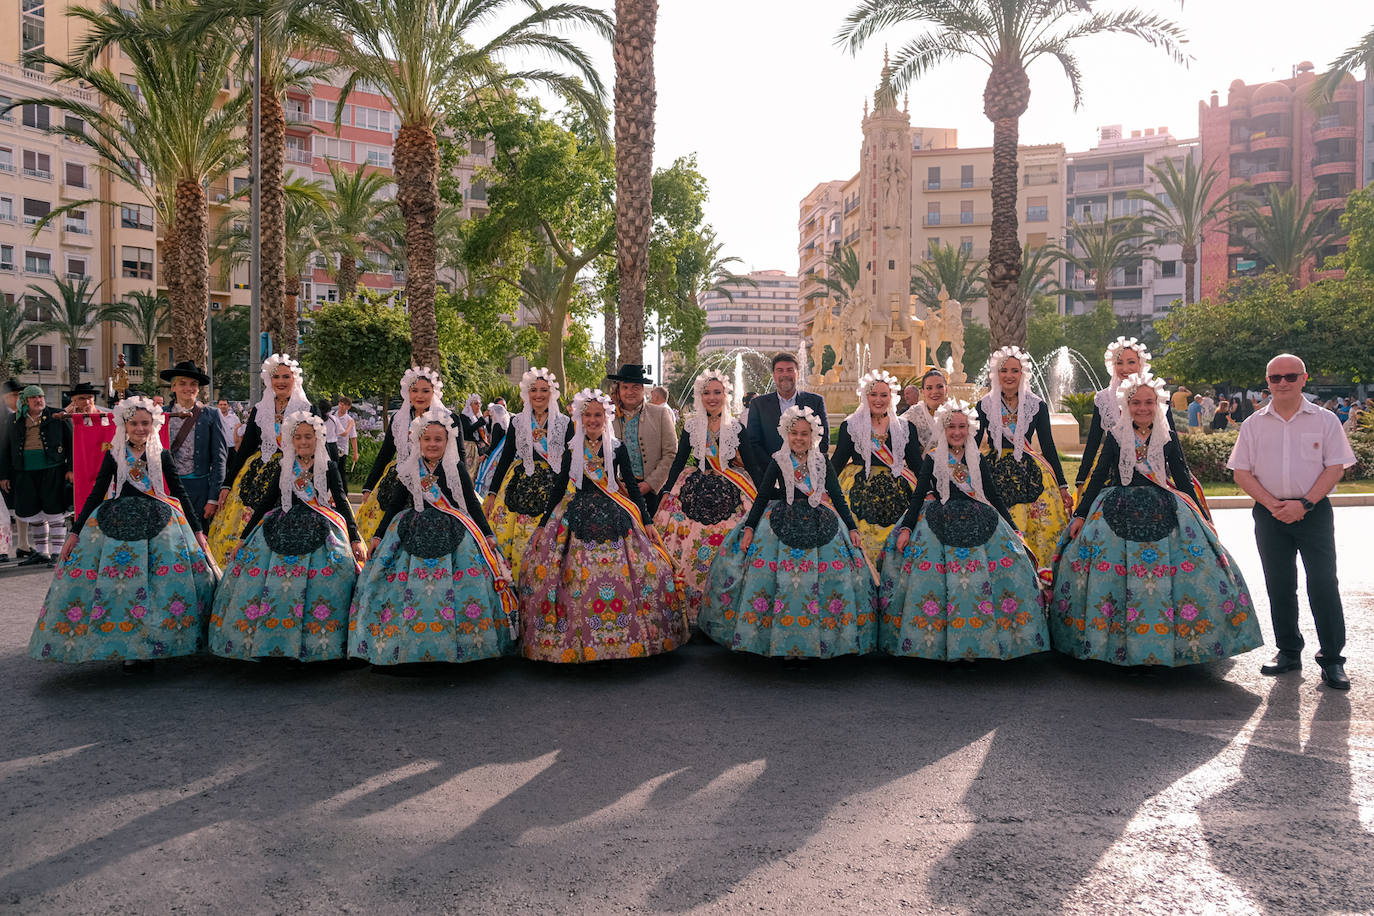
(77, 234)
(217, 193)
(38, 173)
(1271, 141)
(298, 155)
(977, 184)
(297, 116)
(1033, 180)
(974, 253)
(1332, 129)
(1336, 165)
(7, 167)
(1240, 145)
(1272, 176)
(1271, 107)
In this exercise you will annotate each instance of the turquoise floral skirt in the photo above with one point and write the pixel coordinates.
(117, 599)
(1147, 582)
(286, 594)
(964, 588)
(427, 595)
(801, 590)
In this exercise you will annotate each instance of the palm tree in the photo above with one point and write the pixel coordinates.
(1007, 36)
(352, 209)
(74, 316)
(840, 278)
(15, 334)
(291, 36)
(421, 54)
(1101, 249)
(1039, 273)
(1358, 56)
(635, 103)
(389, 232)
(1285, 232)
(952, 269)
(147, 315)
(167, 134)
(1184, 213)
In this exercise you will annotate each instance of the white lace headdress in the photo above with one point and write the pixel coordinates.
(696, 425)
(1125, 428)
(152, 449)
(940, 451)
(286, 481)
(815, 461)
(1105, 400)
(267, 404)
(408, 469)
(400, 420)
(860, 422)
(1028, 404)
(556, 424)
(579, 443)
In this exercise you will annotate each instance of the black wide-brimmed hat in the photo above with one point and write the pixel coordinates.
(185, 369)
(84, 388)
(630, 372)
(13, 385)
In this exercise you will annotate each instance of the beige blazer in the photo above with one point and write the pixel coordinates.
(657, 442)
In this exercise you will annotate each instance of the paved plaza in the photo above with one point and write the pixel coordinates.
(697, 782)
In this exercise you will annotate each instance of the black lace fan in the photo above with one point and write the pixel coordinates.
(133, 517)
(708, 499)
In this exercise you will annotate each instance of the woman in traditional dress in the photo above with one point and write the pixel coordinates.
(595, 583)
(436, 588)
(795, 583)
(921, 415)
(1141, 578)
(134, 581)
(708, 490)
(523, 483)
(499, 420)
(957, 582)
(287, 592)
(252, 469)
(1125, 357)
(475, 431)
(1030, 480)
(421, 390)
(876, 457)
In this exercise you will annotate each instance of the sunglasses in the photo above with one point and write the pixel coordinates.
(1289, 377)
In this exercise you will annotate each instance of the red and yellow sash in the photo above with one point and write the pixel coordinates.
(742, 481)
(500, 573)
(884, 454)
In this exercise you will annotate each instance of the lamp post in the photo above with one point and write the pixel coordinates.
(255, 220)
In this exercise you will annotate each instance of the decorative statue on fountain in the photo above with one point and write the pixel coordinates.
(946, 323)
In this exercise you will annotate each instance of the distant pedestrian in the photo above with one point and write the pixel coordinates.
(1288, 456)
(1222, 418)
(1195, 414)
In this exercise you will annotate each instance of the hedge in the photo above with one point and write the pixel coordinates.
(1207, 455)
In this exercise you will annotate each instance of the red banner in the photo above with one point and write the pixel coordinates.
(90, 441)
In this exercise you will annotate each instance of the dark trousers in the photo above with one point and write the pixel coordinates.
(333, 449)
(198, 494)
(1279, 546)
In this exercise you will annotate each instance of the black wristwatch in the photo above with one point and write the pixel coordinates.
(1307, 504)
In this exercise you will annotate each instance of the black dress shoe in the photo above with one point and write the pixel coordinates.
(134, 666)
(21, 554)
(1335, 677)
(34, 559)
(1281, 662)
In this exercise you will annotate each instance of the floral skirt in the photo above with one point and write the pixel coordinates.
(694, 518)
(520, 504)
(1147, 582)
(283, 596)
(963, 588)
(126, 599)
(1032, 497)
(5, 536)
(878, 501)
(810, 596)
(255, 479)
(427, 595)
(593, 586)
(370, 513)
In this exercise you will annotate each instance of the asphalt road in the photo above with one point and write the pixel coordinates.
(701, 781)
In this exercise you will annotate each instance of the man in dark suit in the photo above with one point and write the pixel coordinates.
(765, 411)
(196, 438)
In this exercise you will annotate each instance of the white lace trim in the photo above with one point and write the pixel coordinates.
(1027, 405)
(1124, 430)
(286, 479)
(266, 408)
(920, 419)
(609, 443)
(152, 449)
(815, 461)
(408, 469)
(557, 426)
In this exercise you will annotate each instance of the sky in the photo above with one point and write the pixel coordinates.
(758, 92)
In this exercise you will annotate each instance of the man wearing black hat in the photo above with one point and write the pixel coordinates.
(765, 413)
(36, 472)
(196, 438)
(646, 429)
(81, 399)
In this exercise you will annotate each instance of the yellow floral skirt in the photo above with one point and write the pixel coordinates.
(255, 479)
(513, 527)
(877, 502)
(1031, 493)
(369, 514)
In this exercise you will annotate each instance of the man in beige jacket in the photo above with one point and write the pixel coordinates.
(646, 429)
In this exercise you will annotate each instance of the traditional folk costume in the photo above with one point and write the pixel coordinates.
(964, 587)
(475, 432)
(801, 589)
(36, 464)
(254, 465)
(524, 478)
(876, 474)
(434, 590)
(922, 423)
(382, 486)
(486, 470)
(287, 592)
(595, 583)
(138, 585)
(702, 501)
(1026, 477)
(196, 444)
(1147, 581)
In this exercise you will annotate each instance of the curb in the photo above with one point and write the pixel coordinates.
(1245, 502)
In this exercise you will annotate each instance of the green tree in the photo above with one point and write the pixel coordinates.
(841, 277)
(1039, 274)
(1184, 212)
(1284, 231)
(353, 207)
(1099, 250)
(74, 315)
(229, 332)
(1049, 330)
(952, 269)
(429, 56)
(147, 315)
(360, 346)
(478, 340)
(1359, 56)
(1006, 36)
(15, 334)
(1358, 222)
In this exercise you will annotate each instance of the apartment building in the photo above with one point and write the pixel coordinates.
(761, 315)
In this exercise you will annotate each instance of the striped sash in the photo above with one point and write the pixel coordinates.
(884, 454)
(742, 481)
(496, 565)
(329, 514)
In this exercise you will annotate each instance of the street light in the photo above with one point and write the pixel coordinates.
(255, 220)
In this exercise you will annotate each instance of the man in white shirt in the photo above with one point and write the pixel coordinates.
(341, 431)
(1288, 456)
(233, 426)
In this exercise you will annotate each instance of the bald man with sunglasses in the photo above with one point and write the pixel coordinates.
(1288, 456)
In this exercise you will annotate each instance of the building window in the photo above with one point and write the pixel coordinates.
(7, 209)
(6, 159)
(891, 264)
(966, 211)
(4, 103)
(378, 156)
(136, 263)
(324, 110)
(966, 244)
(37, 165)
(36, 116)
(133, 353)
(478, 191)
(35, 210)
(332, 148)
(136, 216)
(74, 124)
(39, 357)
(965, 176)
(37, 262)
(933, 178)
(1164, 303)
(478, 147)
(1037, 209)
(7, 258)
(74, 175)
(1168, 269)
(932, 213)
(76, 222)
(83, 358)
(76, 268)
(372, 119)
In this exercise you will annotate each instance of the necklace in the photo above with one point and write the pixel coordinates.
(138, 469)
(959, 470)
(1142, 446)
(592, 452)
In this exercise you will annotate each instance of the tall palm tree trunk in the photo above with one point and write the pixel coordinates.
(635, 101)
(1005, 98)
(291, 304)
(271, 292)
(347, 276)
(1189, 273)
(188, 286)
(417, 194)
(609, 331)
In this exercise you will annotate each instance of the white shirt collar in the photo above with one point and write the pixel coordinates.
(1305, 406)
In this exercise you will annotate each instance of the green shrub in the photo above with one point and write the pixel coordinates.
(1080, 405)
(369, 444)
(1207, 455)
(1363, 443)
